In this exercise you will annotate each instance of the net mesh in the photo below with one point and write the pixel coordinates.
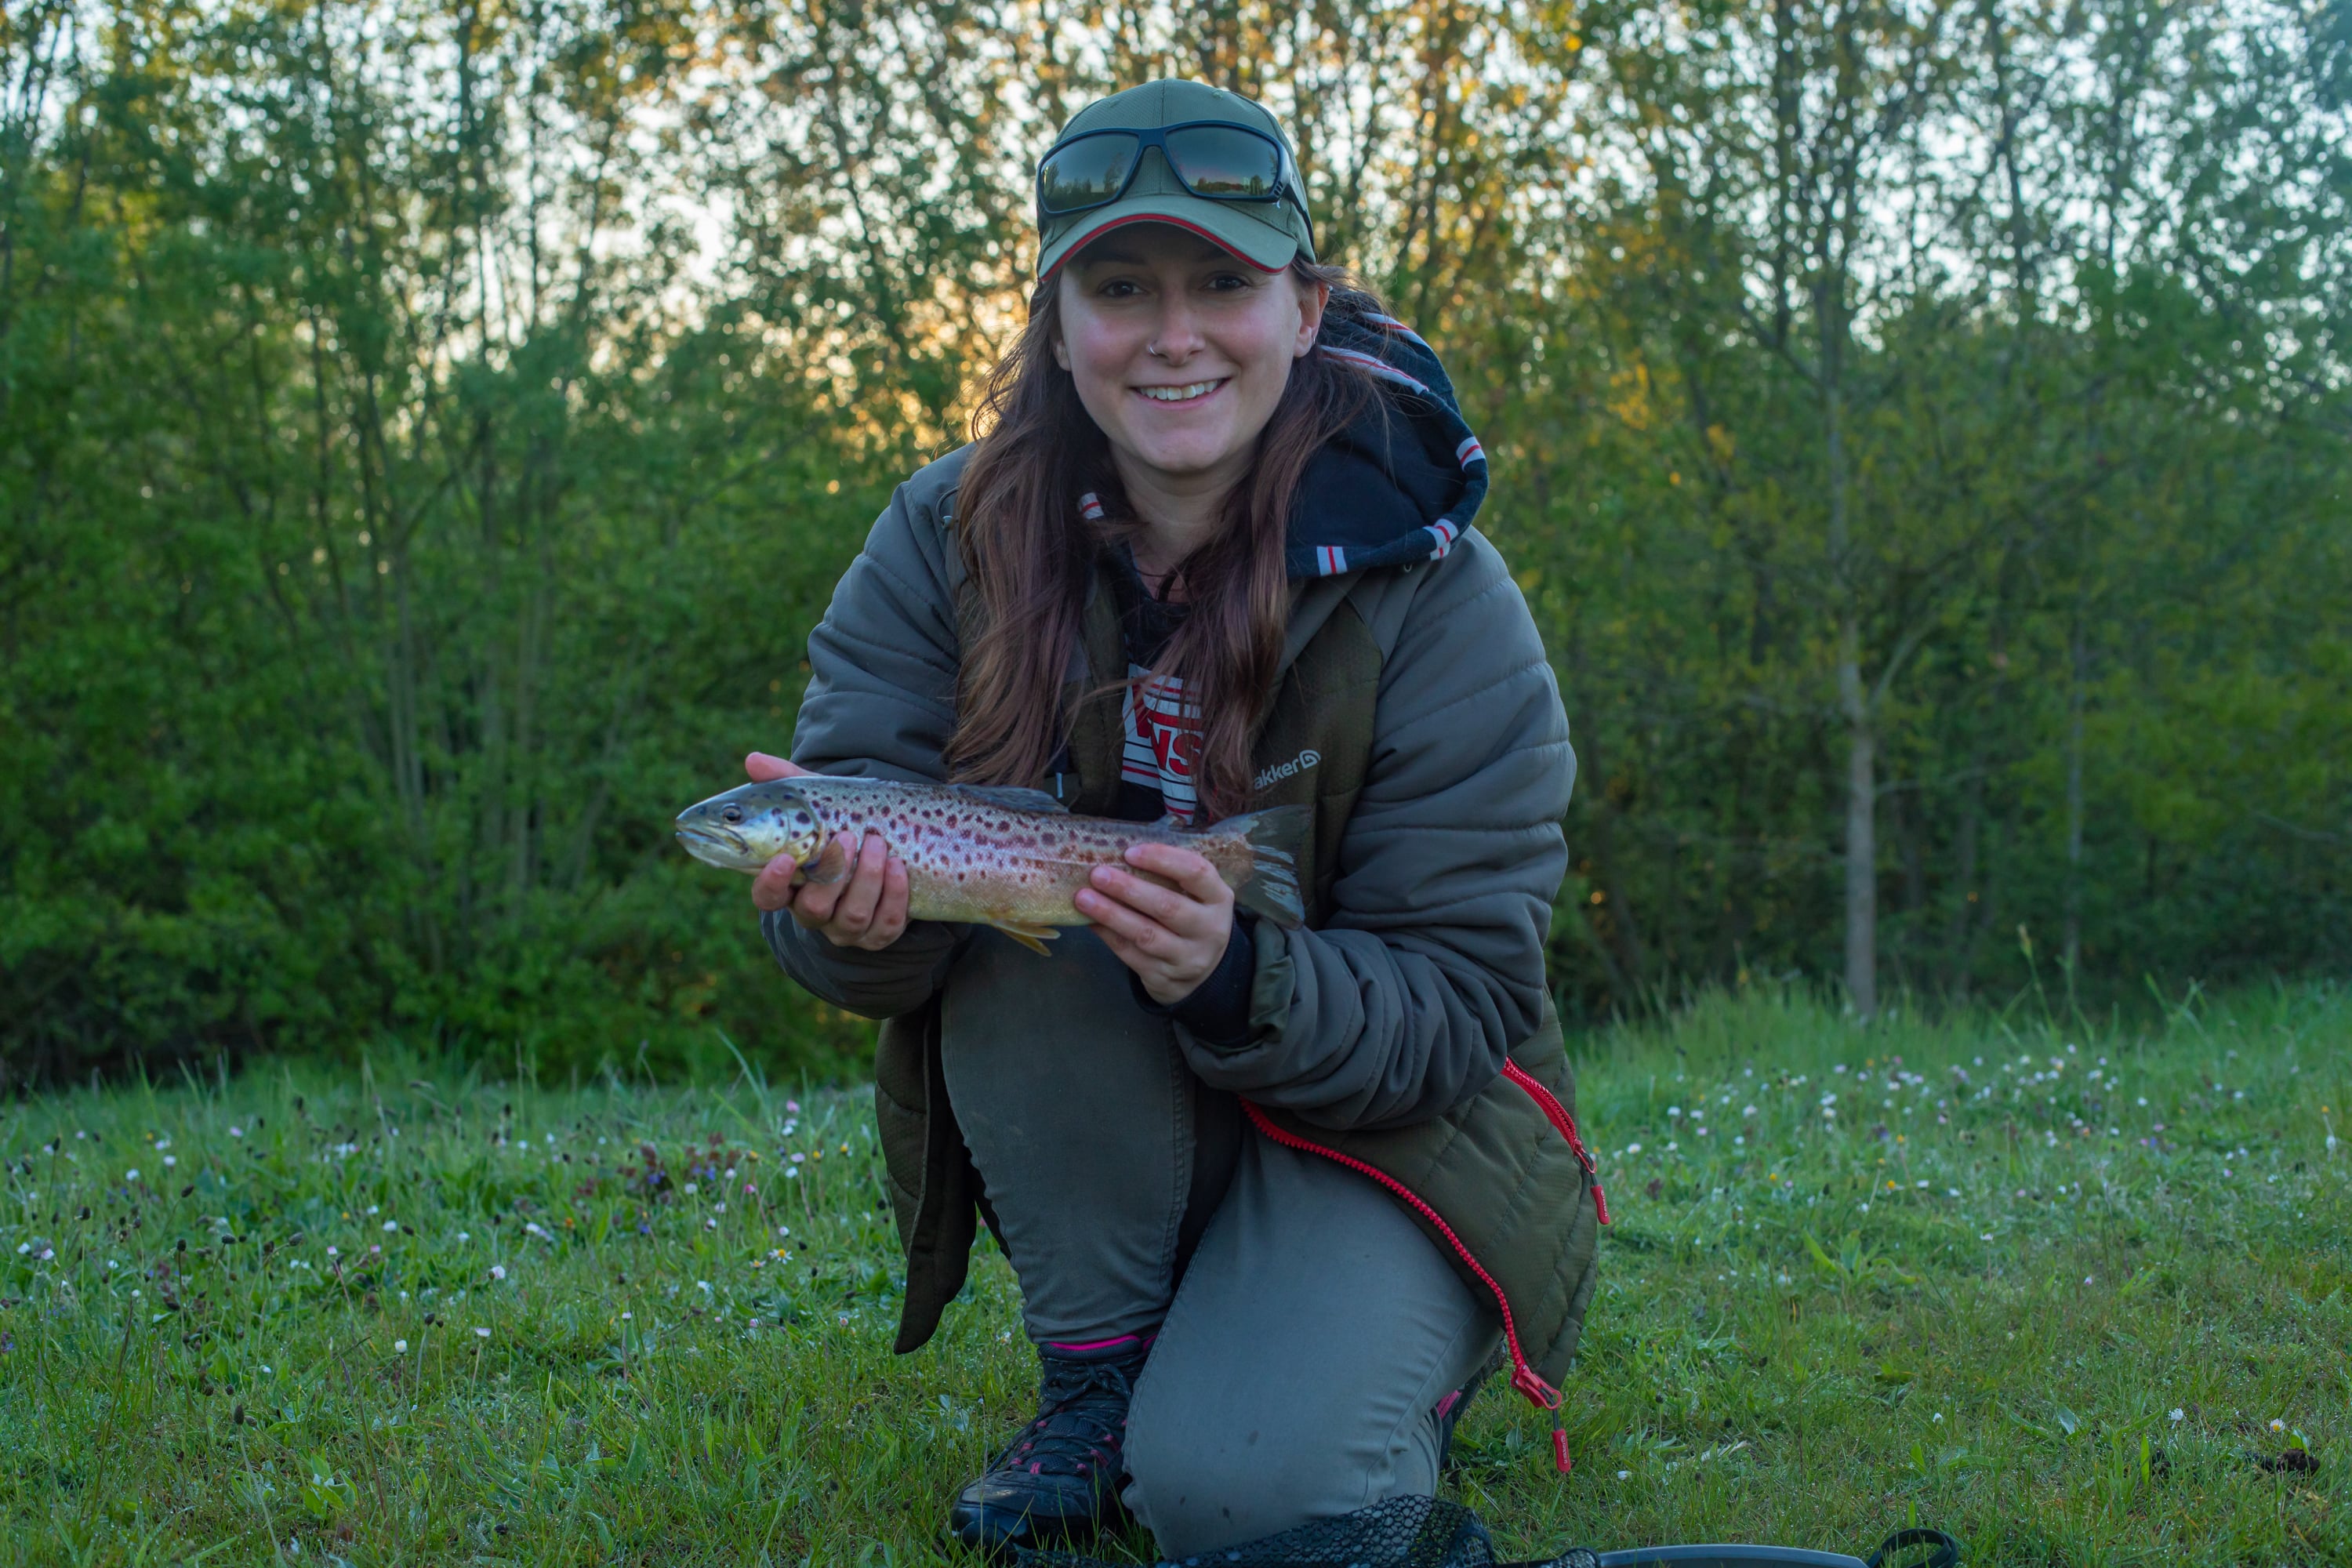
(1402, 1533)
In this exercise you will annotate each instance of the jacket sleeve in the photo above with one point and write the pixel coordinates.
(1430, 964)
(881, 704)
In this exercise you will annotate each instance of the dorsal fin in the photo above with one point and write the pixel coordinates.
(1011, 798)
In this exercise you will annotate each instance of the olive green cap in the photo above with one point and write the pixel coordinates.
(1266, 235)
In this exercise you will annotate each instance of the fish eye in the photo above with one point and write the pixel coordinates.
(730, 814)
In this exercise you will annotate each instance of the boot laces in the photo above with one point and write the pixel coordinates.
(1081, 1421)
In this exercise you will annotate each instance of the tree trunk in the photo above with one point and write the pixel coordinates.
(2076, 697)
(1861, 837)
(1861, 741)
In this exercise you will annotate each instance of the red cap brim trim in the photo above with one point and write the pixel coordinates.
(1090, 237)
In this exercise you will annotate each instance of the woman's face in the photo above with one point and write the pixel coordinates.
(1180, 350)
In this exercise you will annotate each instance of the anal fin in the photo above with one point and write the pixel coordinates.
(1034, 938)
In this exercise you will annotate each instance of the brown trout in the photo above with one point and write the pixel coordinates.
(1011, 858)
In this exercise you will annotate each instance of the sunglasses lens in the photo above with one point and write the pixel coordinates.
(1218, 161)
(1085, 174)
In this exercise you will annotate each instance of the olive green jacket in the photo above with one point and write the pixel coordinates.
(1405, 1031)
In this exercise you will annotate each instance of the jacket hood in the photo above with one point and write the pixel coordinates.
(1403, 481)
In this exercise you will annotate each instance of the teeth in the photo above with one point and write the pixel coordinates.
(1179, 394)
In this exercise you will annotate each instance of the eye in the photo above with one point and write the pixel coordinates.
(730, 814)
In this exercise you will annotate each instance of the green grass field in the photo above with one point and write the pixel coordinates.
(2077, 1294)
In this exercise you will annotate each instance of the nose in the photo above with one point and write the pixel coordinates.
(1177, 332)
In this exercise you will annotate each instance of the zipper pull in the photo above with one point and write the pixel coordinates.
(1600, 1200)
(1560, 1439)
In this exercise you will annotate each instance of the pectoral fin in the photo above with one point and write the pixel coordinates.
(1034, 938)
(831, 865)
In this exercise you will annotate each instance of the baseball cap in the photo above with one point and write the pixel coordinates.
(1266, 235)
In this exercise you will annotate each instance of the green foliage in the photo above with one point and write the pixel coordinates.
(428, 434)
(606, 1324)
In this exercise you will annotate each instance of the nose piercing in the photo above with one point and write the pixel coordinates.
(1154, 351)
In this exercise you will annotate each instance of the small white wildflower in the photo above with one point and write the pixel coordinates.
(237, 1132)
(400, 1347)
(372, 1208)
(334, 1252)
(497, 1270)
(170, 1160)
(2277, 1424)
(131, 1175)
(481, 1333)
(2179, 1416)
(1624, 1475)
(390, 1226)
(1987, 1237)
(1632, 1148)
(1938, 1416)
(1673, 1112)
(627, 1316)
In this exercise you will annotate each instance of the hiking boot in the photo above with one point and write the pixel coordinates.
(1059, 1478)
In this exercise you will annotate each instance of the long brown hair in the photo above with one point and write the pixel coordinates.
(1030, 556)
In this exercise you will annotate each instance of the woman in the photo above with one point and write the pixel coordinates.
(1274, 1197)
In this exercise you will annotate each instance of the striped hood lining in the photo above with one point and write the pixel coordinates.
(1407, 479)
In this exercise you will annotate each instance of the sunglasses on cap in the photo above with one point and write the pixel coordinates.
(1215, 160)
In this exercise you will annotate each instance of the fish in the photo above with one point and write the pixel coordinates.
(988, 855)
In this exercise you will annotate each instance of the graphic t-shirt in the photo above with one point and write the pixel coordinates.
(1164, 740)
(1162, 730)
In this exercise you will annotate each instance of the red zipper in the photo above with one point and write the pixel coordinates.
(1562, 1120)
(1523, 1377)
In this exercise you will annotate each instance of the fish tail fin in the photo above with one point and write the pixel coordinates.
(1276, 837)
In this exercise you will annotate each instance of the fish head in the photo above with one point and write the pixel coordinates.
(745, 828)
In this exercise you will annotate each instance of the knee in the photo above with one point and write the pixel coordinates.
(1202, 1490)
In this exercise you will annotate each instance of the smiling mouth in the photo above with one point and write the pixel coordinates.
(1192, 393)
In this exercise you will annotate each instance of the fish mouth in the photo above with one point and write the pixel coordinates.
(703, 841)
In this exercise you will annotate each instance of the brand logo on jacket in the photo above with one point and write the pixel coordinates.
(1291, 769)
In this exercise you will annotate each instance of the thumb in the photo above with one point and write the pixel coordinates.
(763, 767)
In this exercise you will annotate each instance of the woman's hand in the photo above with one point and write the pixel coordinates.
(867, 909)
(1172, 937)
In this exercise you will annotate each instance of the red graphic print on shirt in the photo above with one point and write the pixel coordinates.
(1164, 740)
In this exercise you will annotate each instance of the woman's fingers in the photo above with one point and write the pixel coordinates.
(1136, 928)
(763, 767)
(890, 911)
(1188, 868)
(772, 889)
(814, 904)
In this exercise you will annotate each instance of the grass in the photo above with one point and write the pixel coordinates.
(2078, 1295)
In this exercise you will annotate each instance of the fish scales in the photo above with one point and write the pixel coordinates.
(1007, 858)
(968, 860)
